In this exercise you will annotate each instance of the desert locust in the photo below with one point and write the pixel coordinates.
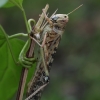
(48, 40)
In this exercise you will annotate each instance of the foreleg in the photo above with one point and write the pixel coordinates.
(42, 53)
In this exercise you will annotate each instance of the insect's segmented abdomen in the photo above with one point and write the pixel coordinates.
(50, 48)
(37, 82)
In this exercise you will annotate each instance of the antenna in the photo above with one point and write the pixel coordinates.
(54, 12)
(75, 9)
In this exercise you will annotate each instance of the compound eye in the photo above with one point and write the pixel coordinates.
(55, 18)
(65, 16)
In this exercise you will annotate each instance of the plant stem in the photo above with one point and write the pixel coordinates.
(17, 35)
(26, 23)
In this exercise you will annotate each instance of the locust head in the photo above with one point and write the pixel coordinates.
(60, 20)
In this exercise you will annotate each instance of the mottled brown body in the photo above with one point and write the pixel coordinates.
(53, 31)
(50, 47)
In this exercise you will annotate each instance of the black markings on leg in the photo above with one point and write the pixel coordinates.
(39, 73)
(50, 64)
(52, 55)
(36, 97)
(43, 73)
(55, 49)
(39, 83)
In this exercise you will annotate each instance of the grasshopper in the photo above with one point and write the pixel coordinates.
(49, 40)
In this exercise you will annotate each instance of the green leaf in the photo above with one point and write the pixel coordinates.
(9, 71)
(8, 4)
(12, 3)
(3, 2)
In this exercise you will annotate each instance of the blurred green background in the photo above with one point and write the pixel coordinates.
(75, 74)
